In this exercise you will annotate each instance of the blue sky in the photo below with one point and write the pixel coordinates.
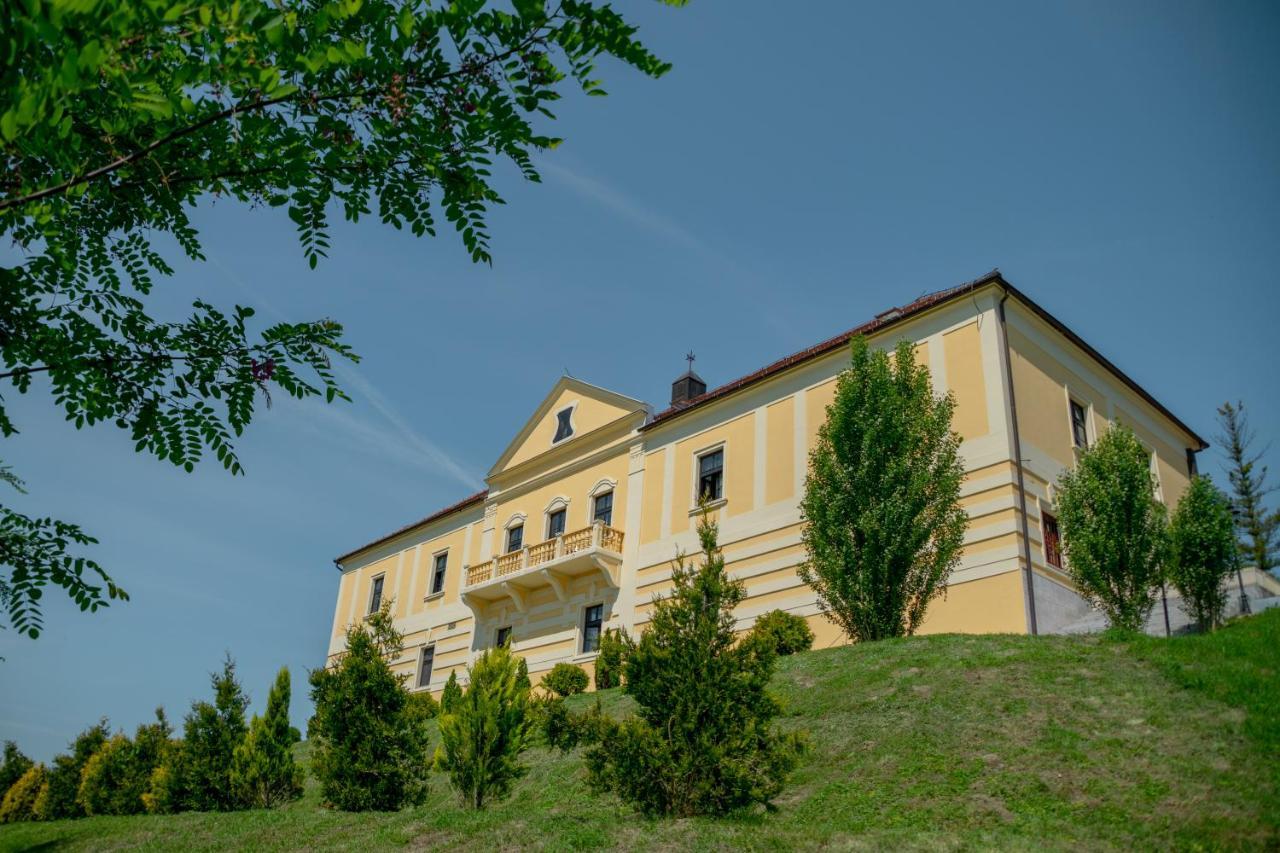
(804, 167)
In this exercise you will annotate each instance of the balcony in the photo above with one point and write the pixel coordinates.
(553, 563)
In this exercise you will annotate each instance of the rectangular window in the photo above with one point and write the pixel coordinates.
(375, 594)
(1079, 429)
(555, 524)
(592, 619)
(711, 475)
(437, 574)
(504, 636)
(425, 663)
(515, 538)
(1052, 540)
(602, 508)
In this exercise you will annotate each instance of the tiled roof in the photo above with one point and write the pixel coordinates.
(881, 320)
(462, 504)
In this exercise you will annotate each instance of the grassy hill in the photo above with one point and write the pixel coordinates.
(934, 742)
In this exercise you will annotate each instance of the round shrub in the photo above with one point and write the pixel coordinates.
(786, 632)
(565, 679)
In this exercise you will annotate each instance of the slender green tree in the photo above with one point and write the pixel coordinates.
(615, 646)
(883, 521)
(702, 741)
(1258, 529)
(58, 799)
(369, 742)
(482, 739)
(263, 773)
(451, 695)
(197, 775)
(118, 117)
(15, 765)
(1113, 528)
(1202, 551)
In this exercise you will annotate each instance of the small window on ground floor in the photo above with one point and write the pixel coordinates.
(504, 636)
(1052, 540)
(425, 663)
(592, 619)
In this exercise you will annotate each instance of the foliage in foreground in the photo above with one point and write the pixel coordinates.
(615, 646)
(117, 777)
(702, 741)
(1202, 551)
(881, 500)
(1113, 528)
(369, 742)
(482, 738)
(19, 803)
(15, 765)
(117, 117)
(1134, 726)
(786, 632)
(263, 772)
(58, 799)
(565, 679)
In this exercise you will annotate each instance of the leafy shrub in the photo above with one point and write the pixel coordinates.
(702, 742)
(15, 765)
(615, 645)
(451, 695)
(565, 679)
(263, 772)
(1202, 551)
(1113, 529)
(482, 738)
(20, 800)
(58, 799)
(786, 632)
(116, 777)
(369, 740)
(564, 730)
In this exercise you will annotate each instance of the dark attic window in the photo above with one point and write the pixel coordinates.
(564, 429)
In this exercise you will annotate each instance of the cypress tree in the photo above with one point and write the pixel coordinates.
(369, 741)
(452, 694)
(201, 769)
(702, 741)
(482, 738)
(881, 500)
(264, 773)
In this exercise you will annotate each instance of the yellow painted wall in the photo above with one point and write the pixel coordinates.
(816, 400)
(589, 415)
(739, 439)
(780, 454)
(962, 348)
(575, 487)
(989, 605)
(651, 511)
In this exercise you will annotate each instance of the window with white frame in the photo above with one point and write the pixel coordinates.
(515, 538)
(438, 572)
(375, 593)
(1079, 424)
(711, 475)
(564, 425)
(592, 620)
(555, 522)
(602, 508)
(503, 637)
(1052, 540)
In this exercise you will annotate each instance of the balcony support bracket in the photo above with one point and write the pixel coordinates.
(559, 585)
(517, 596)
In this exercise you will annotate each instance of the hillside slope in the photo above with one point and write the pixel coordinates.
(933, 742)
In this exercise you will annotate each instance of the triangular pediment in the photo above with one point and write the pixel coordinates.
(573, 409)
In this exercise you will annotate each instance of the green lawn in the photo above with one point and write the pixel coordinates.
(944, 742)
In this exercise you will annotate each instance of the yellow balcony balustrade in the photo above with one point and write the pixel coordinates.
(553, 563)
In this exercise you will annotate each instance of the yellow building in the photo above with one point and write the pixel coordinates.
(595, 494)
